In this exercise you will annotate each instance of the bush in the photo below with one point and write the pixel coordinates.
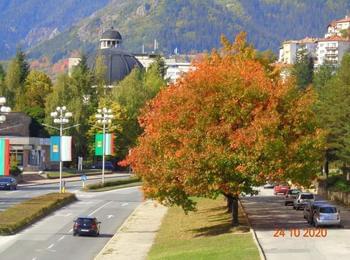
(14, 170)
(338, 183)
(13, 219)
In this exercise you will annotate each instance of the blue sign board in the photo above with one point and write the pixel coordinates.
(54, 148)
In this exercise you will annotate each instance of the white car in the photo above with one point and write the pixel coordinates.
(325, 215)
(302, 199)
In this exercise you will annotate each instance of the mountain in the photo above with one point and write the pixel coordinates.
(193, 25)
(25, 23)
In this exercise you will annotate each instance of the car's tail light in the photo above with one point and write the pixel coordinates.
(94, 226)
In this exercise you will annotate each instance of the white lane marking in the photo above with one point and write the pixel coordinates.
(70, 230)
(34, 258)
(110, 216)
(50, 246)
(62, 215)
(60, 238)
(104, 205)
(124, 204)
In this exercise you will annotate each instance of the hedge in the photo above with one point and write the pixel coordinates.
(97, 186)
(23, 214)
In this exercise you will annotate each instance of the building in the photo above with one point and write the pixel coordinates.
(289, 50)
(336, 27)
(331, 50)
(31, 153)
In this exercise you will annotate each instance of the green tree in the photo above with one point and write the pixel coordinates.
(334, 112)
(132, 94)
(303, 69)
(12, 82)
(23, 65)
(323, 75)
(2, 81)
(37, 87)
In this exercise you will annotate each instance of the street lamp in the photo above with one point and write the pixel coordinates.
(3, 109)
(61, 117)
(104, 116)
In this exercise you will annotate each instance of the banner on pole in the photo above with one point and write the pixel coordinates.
(60, 149)
(4, 157)
(109, 144)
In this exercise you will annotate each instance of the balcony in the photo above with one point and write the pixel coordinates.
(331, 48)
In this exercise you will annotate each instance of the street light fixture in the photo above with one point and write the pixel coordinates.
(3, 109)
(104, 116)
(61, 116)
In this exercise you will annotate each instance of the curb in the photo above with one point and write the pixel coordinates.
(255, 238)
(121, 226)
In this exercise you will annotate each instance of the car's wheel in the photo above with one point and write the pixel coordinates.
(74, 234)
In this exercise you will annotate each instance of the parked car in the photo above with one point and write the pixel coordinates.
(326, 215)
(291, 196)
(108, 166)
(281, 188)
(302, 199)
(8, 183)
(269, 185)
(310, 208)
(86, 226)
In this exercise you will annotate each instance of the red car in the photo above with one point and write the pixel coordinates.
(281, 188)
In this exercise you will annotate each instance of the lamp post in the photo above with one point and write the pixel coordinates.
(104, 116)
(61, 117)
(3, 109)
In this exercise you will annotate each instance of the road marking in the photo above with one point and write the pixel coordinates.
(110, 216)
(70, 230)
(60, 238)
(104, 205)
(50, 246)
(34, 258)
(124, 204)
(62, 215)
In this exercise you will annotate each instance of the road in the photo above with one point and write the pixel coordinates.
(268, 215)
(9, 198)
(51, 238)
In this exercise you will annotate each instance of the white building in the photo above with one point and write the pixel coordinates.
(289, 50)
(331, 50)
(336, 27)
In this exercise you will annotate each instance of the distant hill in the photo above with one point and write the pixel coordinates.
(25, 23)
(190, 25)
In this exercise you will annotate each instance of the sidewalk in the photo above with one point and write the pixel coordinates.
(135, 237)
(42, 180)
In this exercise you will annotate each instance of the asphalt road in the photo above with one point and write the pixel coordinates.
(269, 217)
(9, 198)
(51, 238)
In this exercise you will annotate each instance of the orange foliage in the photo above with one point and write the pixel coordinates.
(224, 127)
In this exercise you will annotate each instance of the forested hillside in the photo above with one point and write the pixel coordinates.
(190, 25)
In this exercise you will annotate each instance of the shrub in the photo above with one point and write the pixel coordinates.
(96, 186)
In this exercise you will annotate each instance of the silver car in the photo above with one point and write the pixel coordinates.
(302, 199)
(310, 208)
(326, 215)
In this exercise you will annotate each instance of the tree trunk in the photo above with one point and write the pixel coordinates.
(229, 204)
(232, 202)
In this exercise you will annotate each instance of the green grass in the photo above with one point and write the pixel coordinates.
(114, 184)
(204, 234)
(21, 215)
(74, 173)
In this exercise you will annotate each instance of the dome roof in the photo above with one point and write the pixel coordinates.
(118, 63)
(111, 34)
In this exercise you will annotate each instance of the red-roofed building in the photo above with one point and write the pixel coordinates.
(331, 50)
(337, 26)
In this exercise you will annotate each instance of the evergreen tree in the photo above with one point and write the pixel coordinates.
(12, 82)
(23, 64)
(323, 75)
(2, 79)
(334, 112)
(303, 69)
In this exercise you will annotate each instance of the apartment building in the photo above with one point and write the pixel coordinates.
(336, 27)
(331, 50)
(289, 50)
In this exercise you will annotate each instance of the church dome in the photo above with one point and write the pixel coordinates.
(119, 63)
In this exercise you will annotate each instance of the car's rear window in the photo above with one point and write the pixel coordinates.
(328, 210)
(294, 192)
(85, 221)
(307, 196)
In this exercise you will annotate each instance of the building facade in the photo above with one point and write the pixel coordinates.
(335, 28)
(289, 50)
(331, 50)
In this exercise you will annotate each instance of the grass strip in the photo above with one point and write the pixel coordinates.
(113, 184)
(204, 234)
(56, 175)
(23, 214)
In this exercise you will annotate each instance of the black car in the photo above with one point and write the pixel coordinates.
(8, 183)
(86, 226)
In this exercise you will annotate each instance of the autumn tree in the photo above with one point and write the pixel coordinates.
(223, 128)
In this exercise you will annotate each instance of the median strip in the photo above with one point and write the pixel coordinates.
(23, 214)
(113, 184)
